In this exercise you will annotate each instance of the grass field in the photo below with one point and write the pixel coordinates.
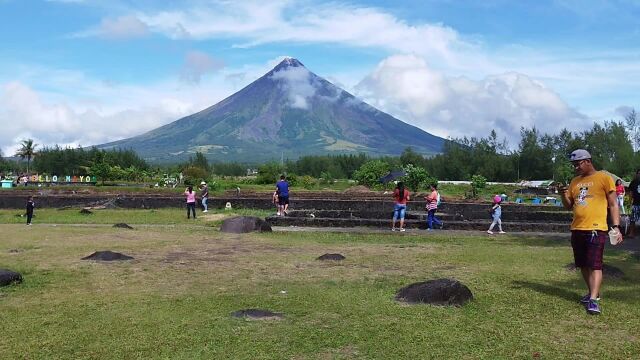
(174, 300)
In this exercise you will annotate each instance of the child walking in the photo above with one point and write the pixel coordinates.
(496, 214)
(30, 206)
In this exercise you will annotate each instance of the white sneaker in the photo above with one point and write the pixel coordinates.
(206, 211)
(402, 230)
(502, 232)
(393, 229)
(277, 214)
(489, 232)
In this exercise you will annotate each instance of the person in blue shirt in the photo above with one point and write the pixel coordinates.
(282, 188)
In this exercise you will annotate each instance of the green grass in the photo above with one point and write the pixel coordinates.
(174, 300)
(107, 216)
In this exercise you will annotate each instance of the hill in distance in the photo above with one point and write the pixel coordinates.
(289, 112)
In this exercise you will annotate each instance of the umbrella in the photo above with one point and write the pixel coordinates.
(392, 176)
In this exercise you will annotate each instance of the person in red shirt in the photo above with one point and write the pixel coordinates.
(620, 193)
(401, 196)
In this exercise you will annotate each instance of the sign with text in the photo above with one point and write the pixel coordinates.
(67, 179)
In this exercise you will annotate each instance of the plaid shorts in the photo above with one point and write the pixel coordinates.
(635, 213)
(588, 247)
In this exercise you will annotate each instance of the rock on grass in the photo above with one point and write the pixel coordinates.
(446, 292)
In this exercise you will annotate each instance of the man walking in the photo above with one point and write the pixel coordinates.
(589, 195)
(204, 194)
(282, 188)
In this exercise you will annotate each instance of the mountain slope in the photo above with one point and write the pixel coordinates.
(288, 112)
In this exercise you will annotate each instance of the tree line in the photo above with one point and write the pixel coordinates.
(615, 146)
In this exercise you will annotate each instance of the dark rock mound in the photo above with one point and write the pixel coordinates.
(436, 292)
(607, 270)
(14, 251)
(7, 277)
(122, 226)
(257, 314)
(86, 212)
(107, 256)
(244, 224)
(335, 257)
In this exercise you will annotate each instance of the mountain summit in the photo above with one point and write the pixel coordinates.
(289, 111)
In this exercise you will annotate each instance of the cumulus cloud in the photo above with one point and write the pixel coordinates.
(119, 28)
(104, 112)
(405, 86)
(297, 83)
(624, 110)
(197, 64)
(260, 22)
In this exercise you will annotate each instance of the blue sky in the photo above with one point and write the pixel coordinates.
(83, 72)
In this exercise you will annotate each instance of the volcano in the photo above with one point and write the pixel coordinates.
(288, 112)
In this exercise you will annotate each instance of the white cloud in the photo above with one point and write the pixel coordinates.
(297, 83)
(119, 28)
(260, 22)
(77, 110)
(405, 86)
(198, 64)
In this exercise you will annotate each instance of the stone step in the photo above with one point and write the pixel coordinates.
(417, 224)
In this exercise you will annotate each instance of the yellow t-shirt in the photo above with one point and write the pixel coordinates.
(589, 194)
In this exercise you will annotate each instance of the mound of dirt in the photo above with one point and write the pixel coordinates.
(86, 212)
(436, 292)
(607, 270)
(257, 314)
(357, 189)
(335, 257)
(107, 256)
(244, 224)
(122, 226)
(8, 277)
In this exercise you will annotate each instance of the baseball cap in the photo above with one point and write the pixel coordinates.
(203, 183)
(579, 154)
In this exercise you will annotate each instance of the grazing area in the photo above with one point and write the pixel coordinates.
(191, 291)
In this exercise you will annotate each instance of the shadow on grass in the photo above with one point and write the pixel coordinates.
(551, 290)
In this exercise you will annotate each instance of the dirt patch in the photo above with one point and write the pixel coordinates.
(86, 212)
(122, 226)
(257, 314)
(107, 256)
(358, 189)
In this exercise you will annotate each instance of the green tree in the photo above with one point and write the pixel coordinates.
(200, 161)
(370, 172)
(417, 177)
(478, 182)
(27, 150)
(268, 173)
(101, 170)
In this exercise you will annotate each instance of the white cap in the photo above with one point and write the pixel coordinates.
(579, 154)
(203, 183)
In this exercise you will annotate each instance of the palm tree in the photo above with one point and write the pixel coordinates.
(27, 150)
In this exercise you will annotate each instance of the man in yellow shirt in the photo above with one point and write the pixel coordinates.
(589, 195)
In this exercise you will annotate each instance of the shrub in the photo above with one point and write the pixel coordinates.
(370, 172)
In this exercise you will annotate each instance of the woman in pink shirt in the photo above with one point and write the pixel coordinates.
(191, 201)
(401, 196)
